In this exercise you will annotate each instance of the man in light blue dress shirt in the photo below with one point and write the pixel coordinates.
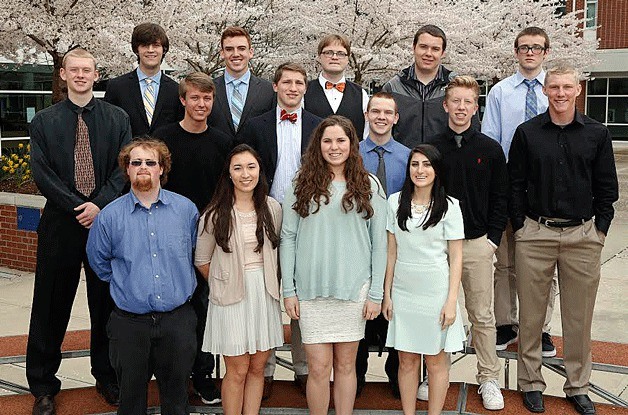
(381, 115)
(511, 102)
(141, 244)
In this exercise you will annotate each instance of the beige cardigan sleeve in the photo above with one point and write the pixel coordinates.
(205, 242)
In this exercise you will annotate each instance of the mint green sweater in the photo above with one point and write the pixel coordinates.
(332, 253)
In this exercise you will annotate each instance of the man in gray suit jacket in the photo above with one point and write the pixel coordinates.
(240, 95)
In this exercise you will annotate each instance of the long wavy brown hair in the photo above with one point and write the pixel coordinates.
(221, 206)
(312, 184)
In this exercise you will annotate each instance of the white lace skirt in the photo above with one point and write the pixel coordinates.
(329, 320)
(249, 326)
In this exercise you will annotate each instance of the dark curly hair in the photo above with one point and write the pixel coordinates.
(313, 180)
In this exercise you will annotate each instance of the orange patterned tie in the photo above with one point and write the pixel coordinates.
(340, 86)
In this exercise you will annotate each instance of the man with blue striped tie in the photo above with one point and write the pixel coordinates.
(511, 102)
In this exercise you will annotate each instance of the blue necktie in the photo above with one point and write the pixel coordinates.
(237, 104)
(531, 109)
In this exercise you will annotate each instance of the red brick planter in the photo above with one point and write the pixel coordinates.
(18, 247)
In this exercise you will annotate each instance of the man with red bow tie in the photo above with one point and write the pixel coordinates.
(281, 136)
(332, 93)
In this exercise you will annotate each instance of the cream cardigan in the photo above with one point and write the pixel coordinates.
(226, 270)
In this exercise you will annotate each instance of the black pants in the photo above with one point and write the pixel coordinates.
(204, 363)
(375, 335)
(163, 344)
(60, 254)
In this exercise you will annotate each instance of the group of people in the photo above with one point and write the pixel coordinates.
(242, 192)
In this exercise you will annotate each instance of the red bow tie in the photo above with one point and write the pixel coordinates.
(340, 86)
(290, 117)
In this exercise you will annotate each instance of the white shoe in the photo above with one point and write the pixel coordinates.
(492, 398)
(423, 391)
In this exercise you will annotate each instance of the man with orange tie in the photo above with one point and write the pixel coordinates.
(331, 93)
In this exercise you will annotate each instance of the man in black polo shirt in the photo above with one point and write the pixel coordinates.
(563, 175)
(475, 174)
(331, 93)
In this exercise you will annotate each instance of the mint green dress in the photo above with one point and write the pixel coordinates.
(421, 283)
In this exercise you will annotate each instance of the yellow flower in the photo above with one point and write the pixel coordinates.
(24, 164)
(28, 147)
(12, 171)
(14, 156)
(10, 163)
(5, 168)
(27, 156)
(20, 145)
(20, 161)
(28, 171)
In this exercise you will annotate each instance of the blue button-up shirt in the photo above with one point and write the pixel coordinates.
(244, 88)
(141, 76)
(506, 108)
(145, 254)
(395, 159)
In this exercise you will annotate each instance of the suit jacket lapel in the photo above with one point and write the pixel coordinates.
(159, 103)
(271, 122)
(306, 130)
(251, 95)
(221, 94)
(136, 95)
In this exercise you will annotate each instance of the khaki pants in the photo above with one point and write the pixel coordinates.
(575, 251)
(506, 285)
(477, 282)
(297, 351)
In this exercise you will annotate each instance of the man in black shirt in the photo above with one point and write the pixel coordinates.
(75, 146)
(475, 174)
(564, 184)
(198, 153)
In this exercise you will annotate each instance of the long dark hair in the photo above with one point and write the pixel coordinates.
(438, 197)
(313, 180)
(221, 206)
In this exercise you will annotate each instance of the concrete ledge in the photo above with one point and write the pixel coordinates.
(18, 199)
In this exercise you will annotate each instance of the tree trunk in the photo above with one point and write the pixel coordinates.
(59, 89)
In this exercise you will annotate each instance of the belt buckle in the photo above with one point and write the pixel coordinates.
(547, 222)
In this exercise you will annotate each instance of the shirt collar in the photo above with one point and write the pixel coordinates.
(546, 119)
(142, 76)
(466, 134)
(75, 108)
(440, 76)
(369, 145)
(244, 79)
(162, 198)
(519, 78)
(322, 80)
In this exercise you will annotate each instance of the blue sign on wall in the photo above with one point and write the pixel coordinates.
(27, 218)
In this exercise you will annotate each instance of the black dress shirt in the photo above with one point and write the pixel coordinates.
(53, 134)
(562, 172)
(476, 175)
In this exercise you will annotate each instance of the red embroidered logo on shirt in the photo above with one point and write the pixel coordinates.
(479, 161)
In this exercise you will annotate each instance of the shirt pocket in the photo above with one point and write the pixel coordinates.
(179, 245)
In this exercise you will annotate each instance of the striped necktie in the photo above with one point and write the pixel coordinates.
(531, 108)
(149, 99)
(237, 104)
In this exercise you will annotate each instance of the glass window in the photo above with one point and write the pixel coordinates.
(618, 86)
(617, 110)
(25, 77)
(17, 110)
(596, 109)
(597, 86)
(619, 132)
(591, 18)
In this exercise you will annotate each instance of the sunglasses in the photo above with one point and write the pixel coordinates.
(138, 163)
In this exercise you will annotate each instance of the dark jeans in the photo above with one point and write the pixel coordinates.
(60, 254)
(163, 344)
(375, 335)
(204, 363)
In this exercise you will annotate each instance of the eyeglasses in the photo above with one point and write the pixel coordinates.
(138, 163)
(536, 49)
(332, 53)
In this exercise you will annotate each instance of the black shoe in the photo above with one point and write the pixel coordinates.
(583, 404)
(533, 401)
(301, 382)
(548, 349)
(268, 387)
(360, 387)
(44, 405)
(209, 393)
(506, 335)
(109, 391)
(394, 389)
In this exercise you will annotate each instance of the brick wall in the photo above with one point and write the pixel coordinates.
(17, 247)
(612, 16)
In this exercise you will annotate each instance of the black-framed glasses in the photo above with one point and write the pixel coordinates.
(331, 53)
(536, 49)
(138, 163)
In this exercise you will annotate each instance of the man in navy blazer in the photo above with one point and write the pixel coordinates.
(129, 91)
(281, 136)
(256, 95)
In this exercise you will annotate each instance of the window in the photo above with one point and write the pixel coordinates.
(607, 102)
(591, 14)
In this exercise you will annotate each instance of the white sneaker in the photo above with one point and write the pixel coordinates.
(492, 398)
(423, 391)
